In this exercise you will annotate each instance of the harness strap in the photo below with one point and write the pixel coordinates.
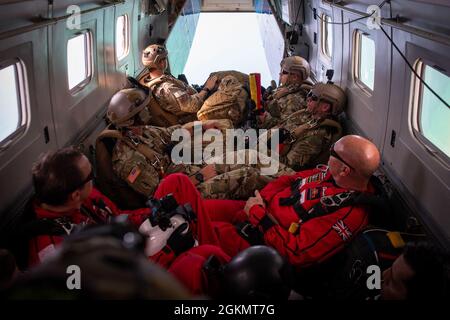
(295, 194)
(136, 144)
(327, 204)
(45, 226)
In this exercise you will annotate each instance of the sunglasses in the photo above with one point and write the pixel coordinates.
(88, 178)
(312, 96)
(334, 154)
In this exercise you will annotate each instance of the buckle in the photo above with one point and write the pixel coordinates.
(335, 200)
(291, 138)
(156, 161)
(132, 138)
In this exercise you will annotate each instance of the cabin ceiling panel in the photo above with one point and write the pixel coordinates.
(14, 15)
(227, 5)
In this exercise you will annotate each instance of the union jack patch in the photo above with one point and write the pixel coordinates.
(342, 230)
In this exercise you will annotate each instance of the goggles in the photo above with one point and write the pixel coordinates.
(334, 154)
(86, 180)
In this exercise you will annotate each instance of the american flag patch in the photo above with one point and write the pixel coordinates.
(342, 230)
(134, 173)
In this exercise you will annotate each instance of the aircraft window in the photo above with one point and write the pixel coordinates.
(327, 36)
(122, 37)
(365, 60)
(433, 117)
(11, 93)
(79, 60)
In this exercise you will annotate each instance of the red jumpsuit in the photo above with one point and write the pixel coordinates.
(188, 267)
(215, 218)
(95, 209)
(312, 242)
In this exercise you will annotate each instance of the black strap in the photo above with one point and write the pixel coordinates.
(89, 214)
(320, 209)
(266, 223)
(250, 233)
(295, 194)
(39, 227)
(356, 198)
(135, 83)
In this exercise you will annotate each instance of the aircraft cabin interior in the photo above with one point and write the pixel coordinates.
(62, 62)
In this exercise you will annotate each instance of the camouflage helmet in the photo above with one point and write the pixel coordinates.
(330, 93)
(296, 64)
(153, 54)
(125, 105)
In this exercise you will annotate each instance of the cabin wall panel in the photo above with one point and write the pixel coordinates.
(340, 74)
(17, 159)
(322, 62)
(73, 110)
(126, 66)
(310, 28)
(367, 111)
(425, 178)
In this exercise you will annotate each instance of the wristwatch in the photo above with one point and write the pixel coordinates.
(199, 177)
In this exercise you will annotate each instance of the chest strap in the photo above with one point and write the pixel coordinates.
(295, 194)
(326, 205)
(135, 143)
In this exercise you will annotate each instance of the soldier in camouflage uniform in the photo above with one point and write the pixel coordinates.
(237, 181)
(290, 96)
(141, 155)
(172, 95)
(310, 132)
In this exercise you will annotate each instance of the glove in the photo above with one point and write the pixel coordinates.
(179, 241)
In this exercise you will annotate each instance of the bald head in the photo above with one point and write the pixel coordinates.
(360, 153)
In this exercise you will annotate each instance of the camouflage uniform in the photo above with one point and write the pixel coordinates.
(312, 141)
(134, 167)
(239, 181)
(235, 181)
(283, 102)
(177, 97)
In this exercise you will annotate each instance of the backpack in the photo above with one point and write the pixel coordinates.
(241, 77)
(228, 102)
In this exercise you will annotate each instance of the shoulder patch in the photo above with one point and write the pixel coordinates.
(342, 230)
